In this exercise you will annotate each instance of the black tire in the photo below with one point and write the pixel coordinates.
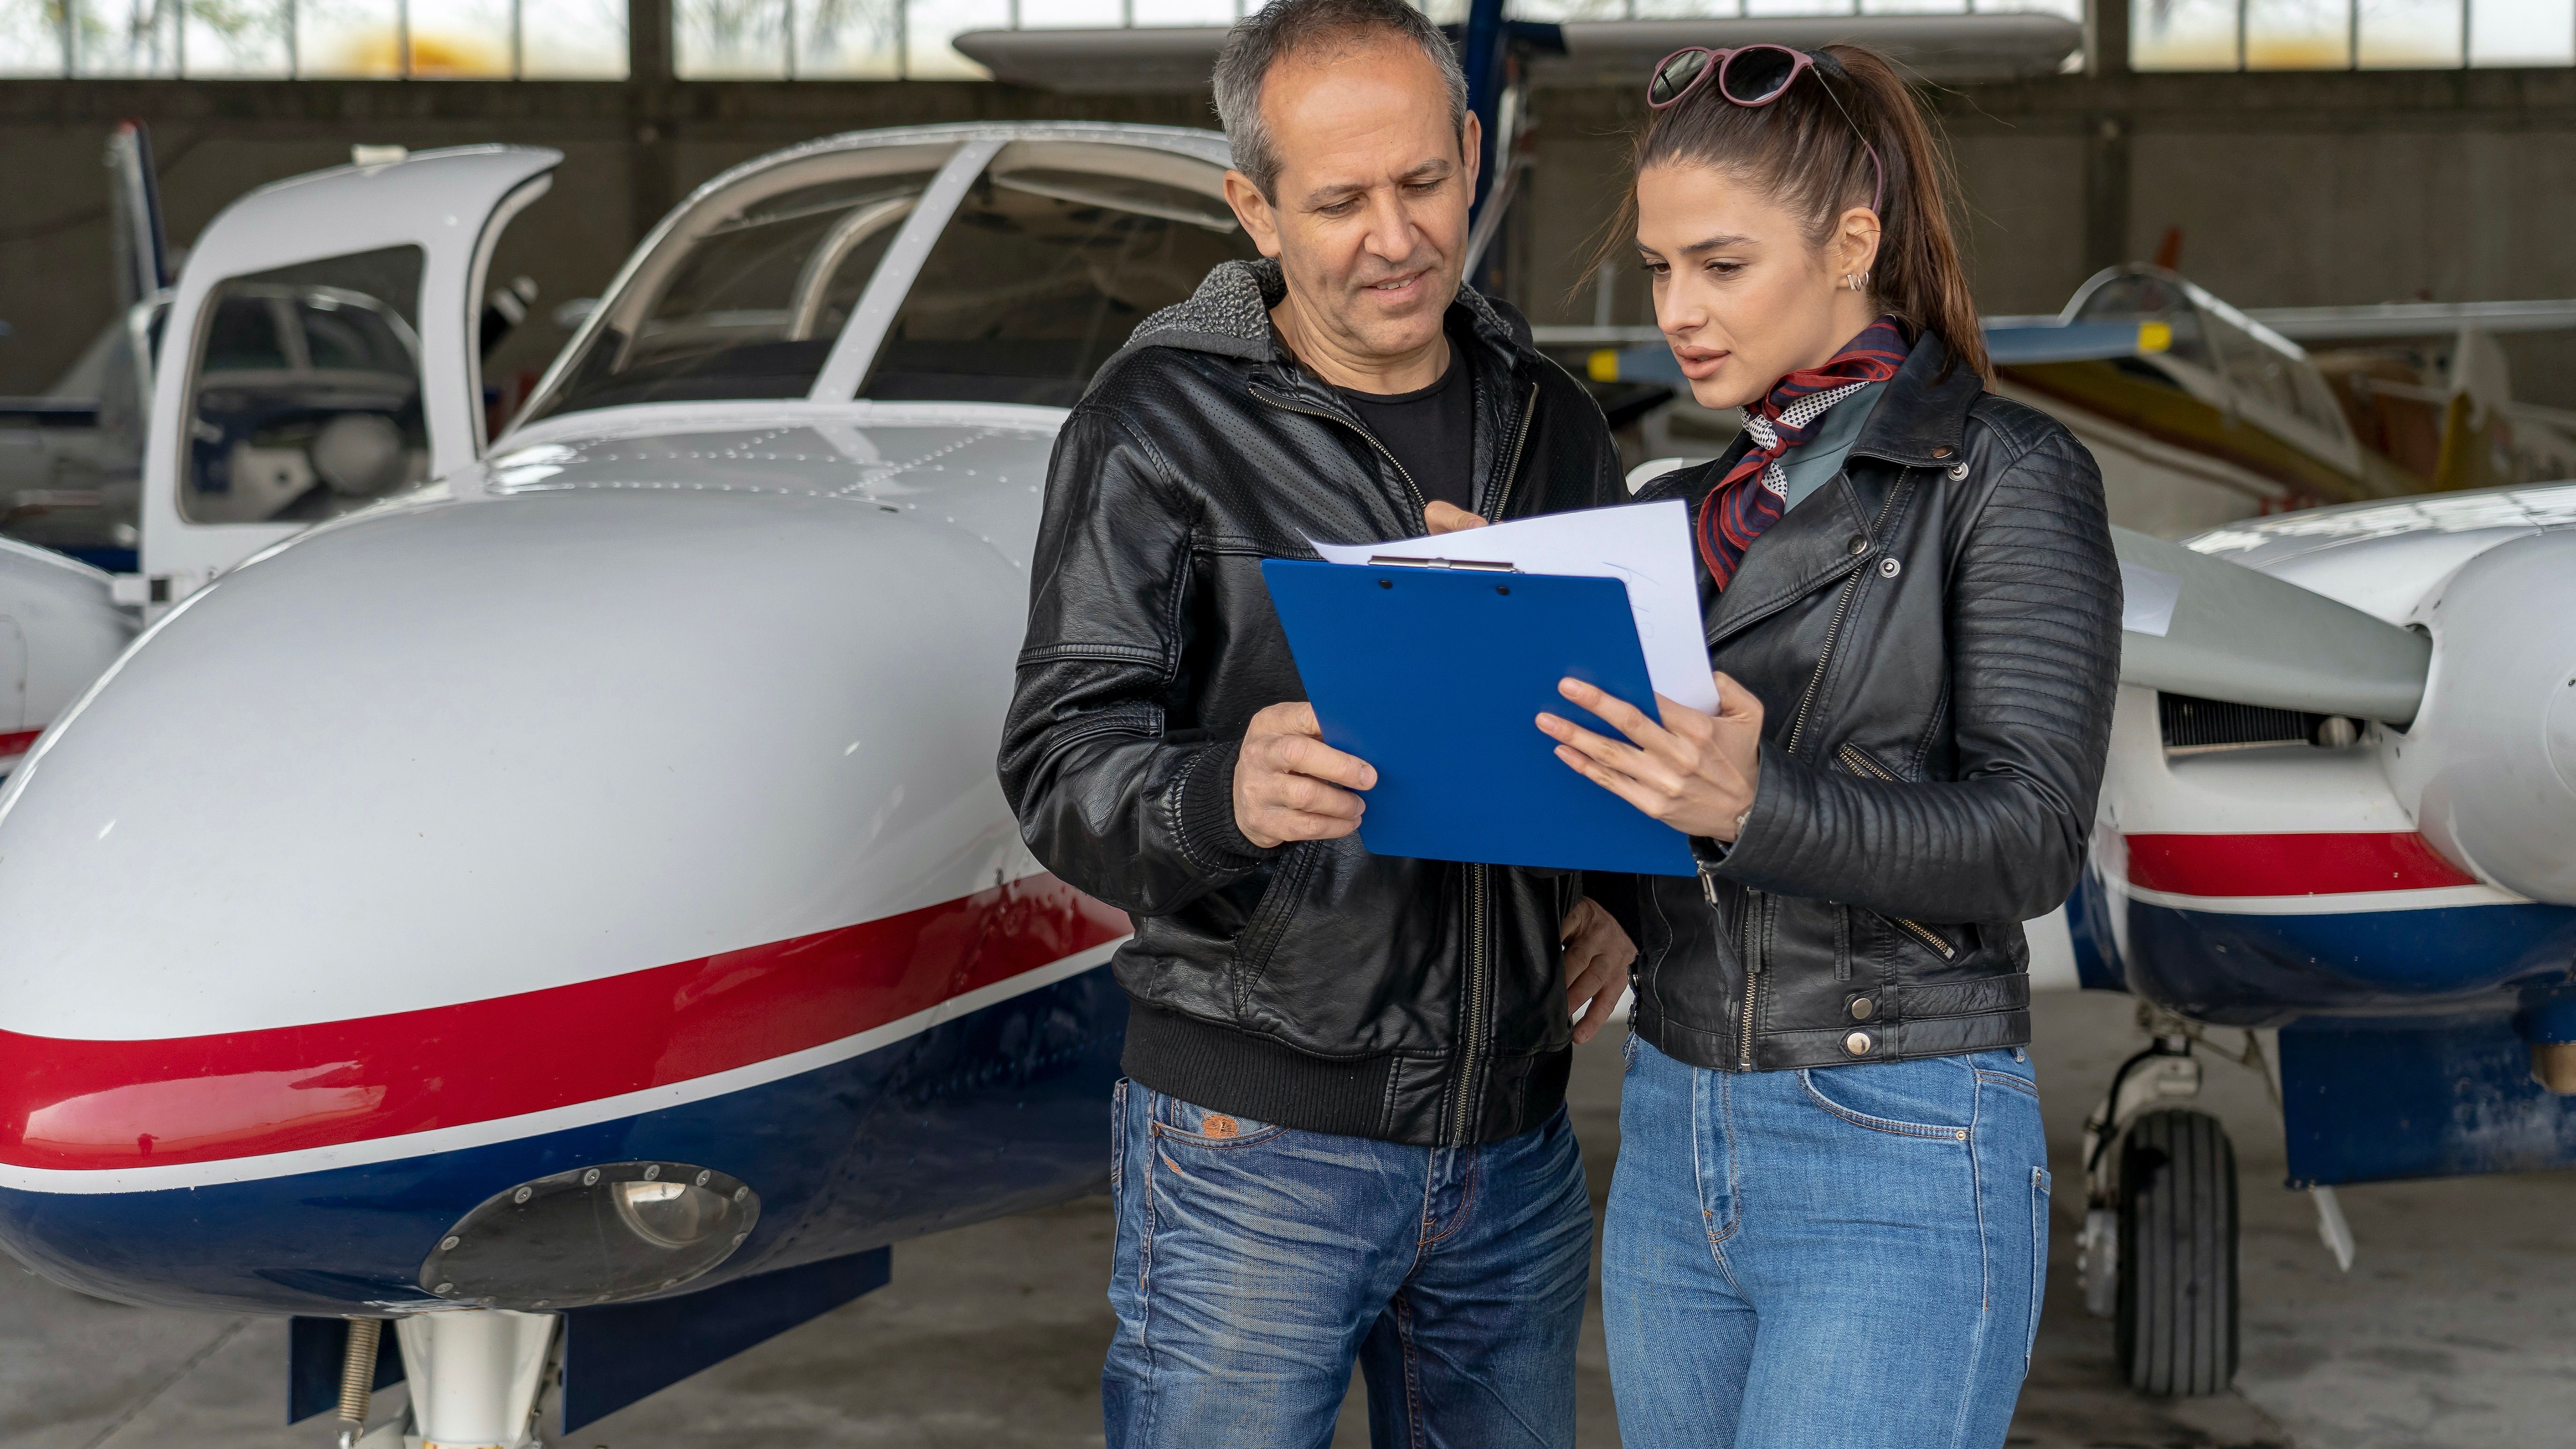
(2177, 1317)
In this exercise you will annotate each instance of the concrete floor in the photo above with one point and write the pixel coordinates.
(2457, 1327)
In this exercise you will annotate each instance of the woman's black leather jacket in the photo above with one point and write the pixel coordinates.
(1935, 638)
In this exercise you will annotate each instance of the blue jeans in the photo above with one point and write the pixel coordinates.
(1837, 1258)
(1256, 1263)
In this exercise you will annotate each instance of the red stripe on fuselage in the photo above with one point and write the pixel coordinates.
(2289, 865)
(17, 742)
(114, 1104)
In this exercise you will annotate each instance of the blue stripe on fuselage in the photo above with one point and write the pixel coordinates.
(2254, 970)
(1000, 1110)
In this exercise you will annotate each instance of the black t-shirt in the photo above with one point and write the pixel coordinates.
(1431, 432)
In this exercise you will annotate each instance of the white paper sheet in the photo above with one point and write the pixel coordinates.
(2147, 599)
(1644, 545)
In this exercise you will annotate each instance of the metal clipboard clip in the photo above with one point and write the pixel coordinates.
(1487, 566)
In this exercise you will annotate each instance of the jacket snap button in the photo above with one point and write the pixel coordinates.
(1958, 471)
(1857, 1043)
(1889, 568)
(1862, 1008)
(1859, 544)
(1942, 451)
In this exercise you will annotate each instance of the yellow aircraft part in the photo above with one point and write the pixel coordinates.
(2167, 413)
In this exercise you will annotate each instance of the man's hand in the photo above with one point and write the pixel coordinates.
(1695, 772)
(1449, 518)
(1597, 957)
(1290, 785)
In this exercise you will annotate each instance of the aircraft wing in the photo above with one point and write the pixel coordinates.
(2207, 627)
(1638, 354)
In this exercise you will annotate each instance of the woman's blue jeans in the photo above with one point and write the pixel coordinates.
(1843, 1257)
(1256, 1263)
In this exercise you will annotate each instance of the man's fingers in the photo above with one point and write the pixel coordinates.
(1596, 1012)
(1314, 758)
(1591, 1001)
(1444, 517)
(1313, 797)
(1292, 717)
(1578, 918)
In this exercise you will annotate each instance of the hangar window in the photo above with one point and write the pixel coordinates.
(2350, 34)
(1046, 267)
(307, 383)
(389, 39)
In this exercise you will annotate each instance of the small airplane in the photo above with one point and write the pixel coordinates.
(2340, 804)
(564, 908)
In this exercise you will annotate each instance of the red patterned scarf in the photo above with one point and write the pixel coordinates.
(1755, 492)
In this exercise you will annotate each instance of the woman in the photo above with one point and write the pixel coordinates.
(1829, 1223)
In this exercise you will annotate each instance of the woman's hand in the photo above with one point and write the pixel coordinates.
(1695, 772)
(1597, 957)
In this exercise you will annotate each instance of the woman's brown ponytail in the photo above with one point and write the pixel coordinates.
(1806, 148)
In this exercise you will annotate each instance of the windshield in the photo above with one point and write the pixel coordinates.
(2273, 374)
(1058, 250)
(1041, 274)
(745, 294)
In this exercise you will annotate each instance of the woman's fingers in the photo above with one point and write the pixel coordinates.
(1655, 803)
(1625, 759)
(1617, 713)
(1734, 701)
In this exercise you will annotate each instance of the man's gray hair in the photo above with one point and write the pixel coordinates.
(1284, 27)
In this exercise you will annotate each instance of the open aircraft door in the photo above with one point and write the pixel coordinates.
(322, 352)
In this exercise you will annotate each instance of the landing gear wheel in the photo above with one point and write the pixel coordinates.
(2177, 1316)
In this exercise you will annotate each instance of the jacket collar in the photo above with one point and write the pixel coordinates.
(1229, 315)
(1921, 421)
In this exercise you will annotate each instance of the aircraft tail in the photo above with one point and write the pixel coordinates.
(141, 249)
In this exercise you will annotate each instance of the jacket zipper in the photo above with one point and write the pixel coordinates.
(1859, 763)
(1411, 488)
(1753, 908)
(1471, 1049)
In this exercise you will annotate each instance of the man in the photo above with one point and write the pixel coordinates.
(1342, 1133)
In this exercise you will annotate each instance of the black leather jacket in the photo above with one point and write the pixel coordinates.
(1314, 984)
(1935, 638)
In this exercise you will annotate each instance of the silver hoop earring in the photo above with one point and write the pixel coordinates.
(1857, 281)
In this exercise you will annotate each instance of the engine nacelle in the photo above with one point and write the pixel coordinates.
(2491, 760)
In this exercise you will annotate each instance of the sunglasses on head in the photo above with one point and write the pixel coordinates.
(1750, 76)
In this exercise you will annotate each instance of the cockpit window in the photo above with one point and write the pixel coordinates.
(243, 336)
(746, 294)
(2256, 369)
(306, 392)
(343, 333)
(1042, 273)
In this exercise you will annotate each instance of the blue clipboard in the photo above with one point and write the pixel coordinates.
(1435, 676)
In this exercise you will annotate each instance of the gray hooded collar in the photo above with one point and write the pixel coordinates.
(1229, 315)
